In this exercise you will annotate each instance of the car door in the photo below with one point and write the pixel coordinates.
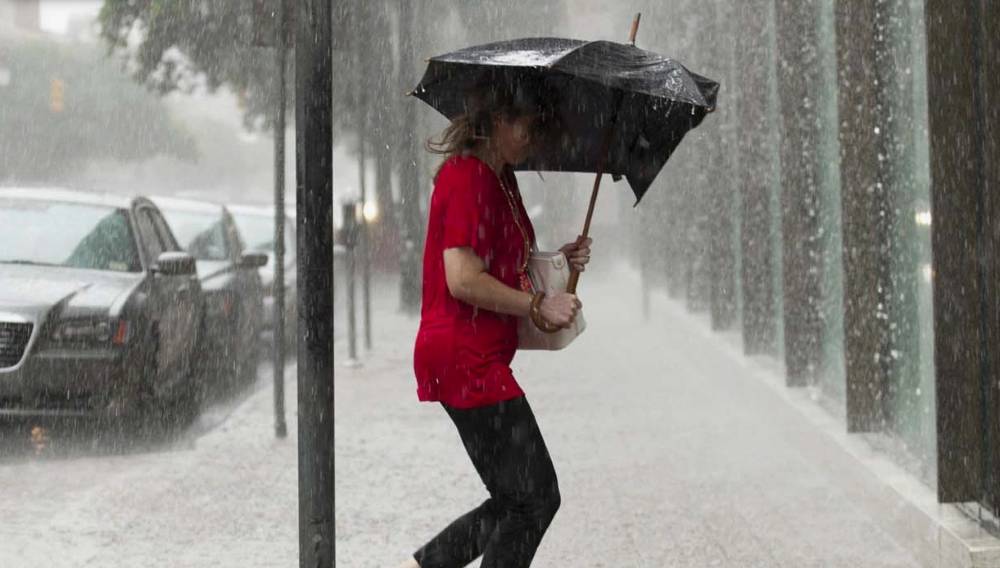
(186, 302)
(247, 285)
(171, 301)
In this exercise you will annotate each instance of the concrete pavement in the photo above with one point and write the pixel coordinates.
(669, 454)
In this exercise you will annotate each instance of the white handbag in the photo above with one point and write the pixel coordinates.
(549, 273)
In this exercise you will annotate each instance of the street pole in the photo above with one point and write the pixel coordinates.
(350, 241)
(281, 43)
(366, 266)
(314, 190)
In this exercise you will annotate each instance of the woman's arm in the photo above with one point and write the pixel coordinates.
(469, 282)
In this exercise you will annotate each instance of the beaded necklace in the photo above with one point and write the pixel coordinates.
(525, 281)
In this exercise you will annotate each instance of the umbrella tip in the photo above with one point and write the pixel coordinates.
(635, 28)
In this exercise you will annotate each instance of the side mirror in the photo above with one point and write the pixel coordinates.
(174, 264)
(253, 260)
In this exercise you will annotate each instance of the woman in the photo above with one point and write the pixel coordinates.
(474, 290)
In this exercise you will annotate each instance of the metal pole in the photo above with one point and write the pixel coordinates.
(280, 427)
(314, 190)
(366, 267)
(362, 45)
(350, 240)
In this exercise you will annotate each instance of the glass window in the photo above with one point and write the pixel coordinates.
(202, 234)
(232, 234)
(66, 234)
(258, 232)
(166, 237)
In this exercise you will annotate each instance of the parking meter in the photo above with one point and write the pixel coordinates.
(349, 229)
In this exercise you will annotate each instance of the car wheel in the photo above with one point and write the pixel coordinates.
(167, 413)
(186, 406)
(147, 408)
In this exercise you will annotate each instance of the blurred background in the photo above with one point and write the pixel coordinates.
(795, 225)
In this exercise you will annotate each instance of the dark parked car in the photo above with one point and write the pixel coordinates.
(99, 306)
(256, 225)
(231, 286)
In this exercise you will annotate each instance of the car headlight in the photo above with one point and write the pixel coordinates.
(91, 332)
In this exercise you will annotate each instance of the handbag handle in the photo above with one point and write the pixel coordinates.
(550, 327)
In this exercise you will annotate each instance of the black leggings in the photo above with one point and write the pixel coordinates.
(507, 449)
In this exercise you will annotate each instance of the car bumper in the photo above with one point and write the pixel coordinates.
(70, 383)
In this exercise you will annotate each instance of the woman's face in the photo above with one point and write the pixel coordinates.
(514, 136)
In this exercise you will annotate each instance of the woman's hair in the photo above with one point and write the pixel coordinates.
(482, 103)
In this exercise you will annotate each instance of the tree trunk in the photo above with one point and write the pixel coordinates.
(411, 226)
(721, 190)
(381, 98)
(798, 80)
(756, 180)
(866, 207)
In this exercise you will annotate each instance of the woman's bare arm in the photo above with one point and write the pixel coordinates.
(469, 282)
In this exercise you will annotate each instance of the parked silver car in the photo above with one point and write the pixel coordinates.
(232, 288)
(99, 307)
(256, 225)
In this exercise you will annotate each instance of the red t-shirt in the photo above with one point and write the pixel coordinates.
(462, 354)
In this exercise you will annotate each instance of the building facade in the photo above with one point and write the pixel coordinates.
(846, 221)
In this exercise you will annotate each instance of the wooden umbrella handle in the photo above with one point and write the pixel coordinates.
(574, 276)
(635, 28)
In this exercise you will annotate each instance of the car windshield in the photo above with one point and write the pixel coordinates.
(202, 234)
(258, 232)
(66, 234)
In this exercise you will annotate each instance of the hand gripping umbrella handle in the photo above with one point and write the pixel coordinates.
(574, 276)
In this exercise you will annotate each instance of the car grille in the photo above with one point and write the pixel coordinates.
(13, 339)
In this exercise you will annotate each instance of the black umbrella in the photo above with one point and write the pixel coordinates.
(616, 108)
(654, 101)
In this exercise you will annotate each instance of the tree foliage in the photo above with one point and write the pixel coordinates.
(184, 45)
(379, 46)
(101, 115)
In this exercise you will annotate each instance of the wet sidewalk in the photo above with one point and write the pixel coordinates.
(220, 494)
(670, 450)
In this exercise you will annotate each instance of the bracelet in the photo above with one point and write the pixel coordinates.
(536, 314)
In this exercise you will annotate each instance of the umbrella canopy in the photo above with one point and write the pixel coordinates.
(652, 101)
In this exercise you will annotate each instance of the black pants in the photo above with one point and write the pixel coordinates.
(507, 449)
